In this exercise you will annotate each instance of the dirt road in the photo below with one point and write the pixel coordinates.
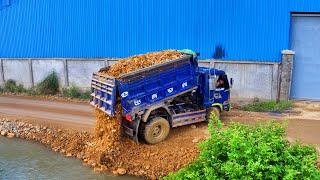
(304, 120)
(78, 116)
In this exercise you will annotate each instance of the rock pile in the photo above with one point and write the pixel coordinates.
(71, 143)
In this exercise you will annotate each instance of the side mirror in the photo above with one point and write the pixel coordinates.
(231, 81)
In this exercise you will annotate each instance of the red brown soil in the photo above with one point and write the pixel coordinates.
(137, 62)
(112, 152)
(54, 98)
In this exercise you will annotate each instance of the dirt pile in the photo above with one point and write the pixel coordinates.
(121, 155)
(137, 62)
(107, 139)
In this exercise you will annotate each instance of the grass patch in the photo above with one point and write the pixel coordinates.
(75, 93)
(250, 152)
(49, 86)
(269, 105)
(12, 87)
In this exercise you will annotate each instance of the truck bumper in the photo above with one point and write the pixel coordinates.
(227, 107)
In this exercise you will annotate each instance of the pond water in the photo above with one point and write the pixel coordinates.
(21, 159)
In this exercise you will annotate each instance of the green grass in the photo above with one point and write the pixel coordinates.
(250, 152)
(12, 87)
(49, 86)
(269, 105)
(75, 93)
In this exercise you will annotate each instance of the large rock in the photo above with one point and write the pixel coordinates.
(196, 140)
(121, 171)
(10, 135)
(3, 133)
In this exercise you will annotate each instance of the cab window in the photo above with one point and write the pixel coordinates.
(222, 82)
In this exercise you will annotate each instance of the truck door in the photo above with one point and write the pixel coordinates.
(222, 91)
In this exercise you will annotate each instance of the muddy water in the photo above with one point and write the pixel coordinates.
(21, 159)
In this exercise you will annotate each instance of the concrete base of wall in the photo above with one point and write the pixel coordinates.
(250, 79)
(30, 72)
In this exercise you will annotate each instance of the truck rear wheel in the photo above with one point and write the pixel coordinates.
(213, 111)
(156, 130)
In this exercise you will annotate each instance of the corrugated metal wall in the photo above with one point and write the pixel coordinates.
(245, 30)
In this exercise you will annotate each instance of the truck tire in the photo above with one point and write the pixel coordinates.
(156, 130)
(215, 111)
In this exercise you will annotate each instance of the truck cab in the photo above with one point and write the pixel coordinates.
(213, 95)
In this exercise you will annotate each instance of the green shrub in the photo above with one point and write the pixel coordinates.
(11, 86)
(270, 105)
(85, 95)
(32, 92)
(75, 92)
(250, 152)
(50, 85)
(71, 92)
(19, 89)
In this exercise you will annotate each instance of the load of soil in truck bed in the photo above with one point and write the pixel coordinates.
(137, 62)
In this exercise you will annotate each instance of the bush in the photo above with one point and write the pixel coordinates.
(250, 152)
(50, 85)
(270, 105)
(85, 95)
(75, 92)
(11, 86)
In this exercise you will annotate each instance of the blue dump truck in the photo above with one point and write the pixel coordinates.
(163, 96)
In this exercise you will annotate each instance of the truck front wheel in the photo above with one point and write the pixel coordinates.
(213, 111)
(156, 130)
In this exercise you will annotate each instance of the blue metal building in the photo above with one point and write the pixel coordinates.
(246, 30)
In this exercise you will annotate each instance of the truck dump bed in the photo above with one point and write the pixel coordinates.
(144, 87)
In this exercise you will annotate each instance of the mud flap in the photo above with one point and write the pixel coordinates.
(132, 129)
